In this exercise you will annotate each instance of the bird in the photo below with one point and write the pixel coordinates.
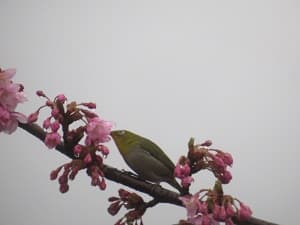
(145, 158)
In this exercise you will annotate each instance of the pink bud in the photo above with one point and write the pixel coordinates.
(63, 179)
(95, 181)
(61, 98)
(102, 184)
(218, 161)
(87, 159)
(186, 170)
(46, 123)
(226, 177)
(55, 126)
(40, 93)
(207, 143)
(244, 212)
(222, 214)
(52, 139)
(64, 188)
(216, 211)
(88, 114)
(227, 158)
(90, 105)
(114, 208)
(113, 199)
(53, 175)
(33, 117)
(177, 171)
(123, 194)
(73, 173)
(229, 210)
(49, 103)
(55, 112)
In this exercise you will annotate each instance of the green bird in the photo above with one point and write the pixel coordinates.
(145, 158)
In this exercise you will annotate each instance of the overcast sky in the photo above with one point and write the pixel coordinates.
(222, 70)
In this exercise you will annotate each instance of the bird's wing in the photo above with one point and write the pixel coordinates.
(148, 167)
(157, 153)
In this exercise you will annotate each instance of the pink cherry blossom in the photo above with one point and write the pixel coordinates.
(7, 74)
(98, 131)
(192, 204)
(10, 93)
(9, 120)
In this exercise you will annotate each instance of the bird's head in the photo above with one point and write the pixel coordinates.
(124, 140)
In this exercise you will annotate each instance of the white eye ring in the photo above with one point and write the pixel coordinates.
(121, 132)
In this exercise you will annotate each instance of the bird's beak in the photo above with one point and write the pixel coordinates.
(112, 134)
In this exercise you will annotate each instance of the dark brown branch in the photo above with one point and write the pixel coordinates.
(113, 174)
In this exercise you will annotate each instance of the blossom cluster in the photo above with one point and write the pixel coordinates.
(208, 207)
(130, 201)
(11, 94)
(84, 143)
(201, 156)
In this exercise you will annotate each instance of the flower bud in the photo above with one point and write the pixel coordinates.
(40, 93)
(61, 98)
(33, 117)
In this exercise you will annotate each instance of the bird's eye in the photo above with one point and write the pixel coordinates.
(121, 132)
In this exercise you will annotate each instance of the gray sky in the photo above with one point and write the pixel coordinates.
(221, 70)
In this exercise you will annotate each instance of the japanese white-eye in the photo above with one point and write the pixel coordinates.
(145, 158)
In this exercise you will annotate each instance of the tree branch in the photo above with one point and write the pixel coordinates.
(113, 174)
